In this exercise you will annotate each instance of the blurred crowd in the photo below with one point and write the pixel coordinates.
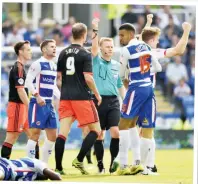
(178, 72)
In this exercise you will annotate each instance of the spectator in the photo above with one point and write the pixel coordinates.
(129, 16)
(181, 91)
(174, 73)
(67, 28)
(163, 16)
(13, 37)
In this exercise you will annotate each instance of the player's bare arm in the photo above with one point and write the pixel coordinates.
(149, 20)
(95, 46)
(181, 45)
(122, 92)
(51, 174)
(23, 96)
(91, 84)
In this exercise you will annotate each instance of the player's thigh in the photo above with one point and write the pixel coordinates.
(17, 116)
(134, 100)
(148, 116)
(65, 125)
(124, 124)
(85, 112)
(147, 133)
(37, 115)
(51, 122)
(65, 109)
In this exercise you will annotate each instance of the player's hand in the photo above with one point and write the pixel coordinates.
(99, 98)
(40, 101)
(186, 26)
(95, 23)
(149, 18)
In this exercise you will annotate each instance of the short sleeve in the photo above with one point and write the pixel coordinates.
(87, 65)
(124, 57)
(19, 76)
(159, 53)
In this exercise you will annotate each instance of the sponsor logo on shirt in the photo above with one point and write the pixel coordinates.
(50, 80)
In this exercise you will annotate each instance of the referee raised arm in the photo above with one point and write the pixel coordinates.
(110, 86)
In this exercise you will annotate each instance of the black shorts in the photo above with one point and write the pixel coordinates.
(108, 111)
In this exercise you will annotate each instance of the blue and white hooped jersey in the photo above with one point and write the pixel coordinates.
(41, 78)
(137, 56)
(24, 169)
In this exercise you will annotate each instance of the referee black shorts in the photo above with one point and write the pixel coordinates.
(108, 111)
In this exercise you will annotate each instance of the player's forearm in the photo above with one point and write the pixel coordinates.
(91, 84)
(122, 92)
(51, 174)
(23, 96)
(29, 84)
(56, 92)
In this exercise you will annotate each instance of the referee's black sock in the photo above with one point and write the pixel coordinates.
(87, 144)
(114, 149)
(37, 151)
(59, 150)
(6, 150)
(99, 150)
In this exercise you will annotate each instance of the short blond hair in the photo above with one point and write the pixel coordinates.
(149, 33)
(104, 39)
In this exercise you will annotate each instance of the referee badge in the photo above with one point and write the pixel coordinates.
(20, 81)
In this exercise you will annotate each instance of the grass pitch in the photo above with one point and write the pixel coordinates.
(174, 166)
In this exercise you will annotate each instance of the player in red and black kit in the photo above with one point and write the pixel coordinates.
(75, 71)
(17, 109)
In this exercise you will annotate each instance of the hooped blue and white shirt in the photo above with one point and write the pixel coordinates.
(41, 78)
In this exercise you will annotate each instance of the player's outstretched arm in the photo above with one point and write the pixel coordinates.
(95, 47)
(181, 45)
(51, 174)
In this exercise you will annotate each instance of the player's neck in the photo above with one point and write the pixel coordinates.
(78, 42)
(21, 60)
(48, 57)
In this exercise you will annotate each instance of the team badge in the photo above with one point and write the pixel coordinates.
(20, 81)
(38, 123)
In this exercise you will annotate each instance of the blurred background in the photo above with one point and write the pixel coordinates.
(175, 84)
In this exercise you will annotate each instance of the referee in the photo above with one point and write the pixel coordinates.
(110, 86)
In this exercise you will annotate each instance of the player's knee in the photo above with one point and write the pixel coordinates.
(114, 131)
(35, 136)
(100, 135)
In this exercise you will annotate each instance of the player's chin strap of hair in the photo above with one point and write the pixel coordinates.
(96, 33)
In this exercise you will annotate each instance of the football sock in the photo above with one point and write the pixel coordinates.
(6, 150)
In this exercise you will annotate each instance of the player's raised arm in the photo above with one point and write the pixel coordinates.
(95, 46)
(149, 20)
(181, 45)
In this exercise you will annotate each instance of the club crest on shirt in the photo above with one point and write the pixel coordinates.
(20, 81)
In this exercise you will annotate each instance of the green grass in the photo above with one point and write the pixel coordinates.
(174, 166)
